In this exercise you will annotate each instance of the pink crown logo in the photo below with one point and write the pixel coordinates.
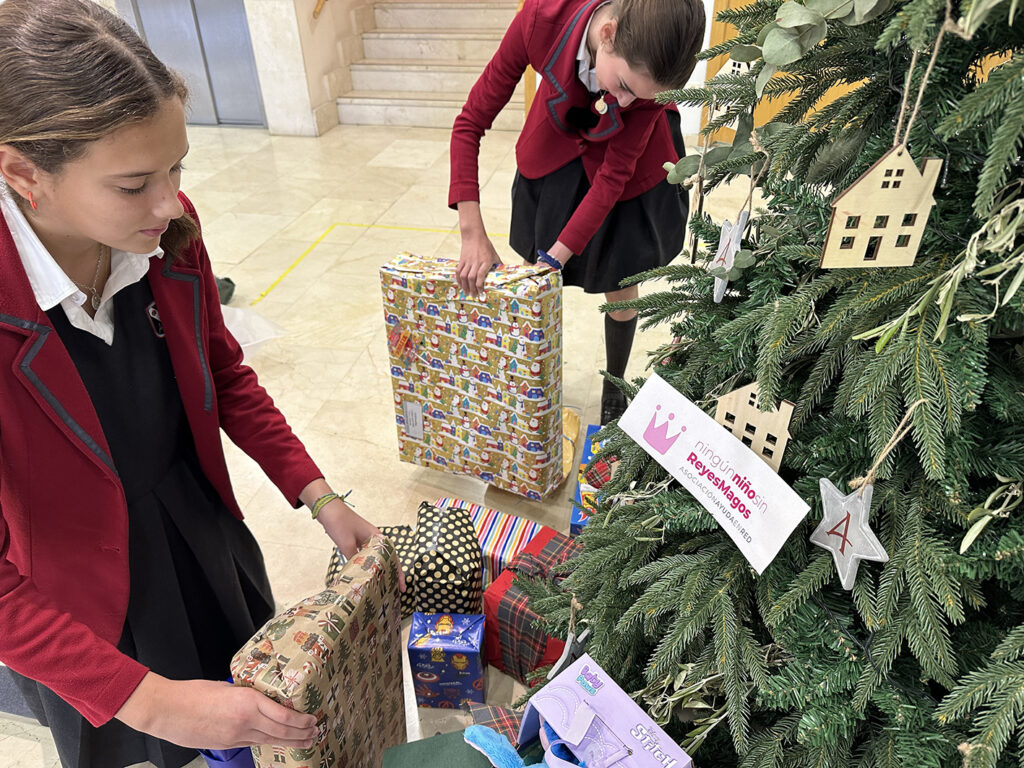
(657, 435)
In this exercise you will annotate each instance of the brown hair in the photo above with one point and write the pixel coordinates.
(660, 37)
(72, 73)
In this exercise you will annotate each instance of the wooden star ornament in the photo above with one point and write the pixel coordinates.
(844, 530)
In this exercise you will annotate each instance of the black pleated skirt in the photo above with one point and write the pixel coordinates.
(641, 233)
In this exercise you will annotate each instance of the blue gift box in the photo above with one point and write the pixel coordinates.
(446, 659)
(586, 496)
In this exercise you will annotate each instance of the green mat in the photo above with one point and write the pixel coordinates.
(448, 750)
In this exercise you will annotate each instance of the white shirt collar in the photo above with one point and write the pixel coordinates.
(51, 286)
(586, 66)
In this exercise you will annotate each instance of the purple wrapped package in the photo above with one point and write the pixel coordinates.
(599, 722)
(446, 660)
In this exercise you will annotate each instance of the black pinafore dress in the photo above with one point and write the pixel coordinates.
(199, 588)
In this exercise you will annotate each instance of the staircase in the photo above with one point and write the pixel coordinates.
(421, 61)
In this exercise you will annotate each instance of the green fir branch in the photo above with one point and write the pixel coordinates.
(1007, 143)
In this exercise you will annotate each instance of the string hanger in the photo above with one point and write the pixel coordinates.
(901, 431)
(700, 183)
(947, 25)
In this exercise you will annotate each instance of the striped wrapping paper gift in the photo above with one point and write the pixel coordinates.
(502, 536)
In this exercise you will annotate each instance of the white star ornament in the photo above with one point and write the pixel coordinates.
(844, 530)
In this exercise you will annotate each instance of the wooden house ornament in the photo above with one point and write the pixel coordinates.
(766, 433)
(878, 221)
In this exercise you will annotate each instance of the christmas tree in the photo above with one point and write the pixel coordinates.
(921, 663)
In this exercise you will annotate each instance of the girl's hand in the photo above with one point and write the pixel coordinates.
(205, 714)
(477, 259)
(349, 531)
(478, 256)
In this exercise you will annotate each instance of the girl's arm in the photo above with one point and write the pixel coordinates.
(478, 255)
(560, 252)
(206, 714)
(491, 92)
(43, 642)
(347, 529)
(617, 168)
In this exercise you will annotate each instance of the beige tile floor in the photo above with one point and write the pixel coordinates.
(302, 225)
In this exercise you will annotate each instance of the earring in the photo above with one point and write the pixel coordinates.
(32, 202)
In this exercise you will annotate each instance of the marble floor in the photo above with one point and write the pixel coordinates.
(302, 226)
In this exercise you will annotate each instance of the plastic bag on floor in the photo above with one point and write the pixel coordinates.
(250, 328)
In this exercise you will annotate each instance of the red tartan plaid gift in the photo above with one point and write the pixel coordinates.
(513, 640)
(504, 720)
(600, 472)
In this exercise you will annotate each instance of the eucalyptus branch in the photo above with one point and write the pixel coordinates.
(999, 504)
(997, 236)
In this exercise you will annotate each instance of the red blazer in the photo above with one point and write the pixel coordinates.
(63, 517)
(622, 155)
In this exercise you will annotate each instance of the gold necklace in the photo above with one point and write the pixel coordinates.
(94, 299)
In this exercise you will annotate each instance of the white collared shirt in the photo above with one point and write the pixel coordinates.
(52, 287)
(586, 67)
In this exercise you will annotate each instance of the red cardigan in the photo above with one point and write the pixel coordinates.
(622, 155)
(63, 516)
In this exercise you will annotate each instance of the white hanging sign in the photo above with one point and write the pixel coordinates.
(753, 504)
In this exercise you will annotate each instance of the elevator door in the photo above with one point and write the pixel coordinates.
(208, 42)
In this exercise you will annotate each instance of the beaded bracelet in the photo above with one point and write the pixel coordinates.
(546, 258)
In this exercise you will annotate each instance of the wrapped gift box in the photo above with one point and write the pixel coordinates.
(477, 380)
(598, 722)
(515, 642)
(445, 656)
(501, 536)
(588, 483)
(337, 655)
(504, 720)
(440, 558)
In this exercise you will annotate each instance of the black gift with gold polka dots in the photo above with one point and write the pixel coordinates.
(441, 559)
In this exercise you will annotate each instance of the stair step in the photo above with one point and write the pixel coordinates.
(438, 110)
(458, 46)
(427, 76)
(454, 14)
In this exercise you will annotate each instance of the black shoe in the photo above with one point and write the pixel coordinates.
(613, 405)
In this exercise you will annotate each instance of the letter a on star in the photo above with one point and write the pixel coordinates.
(844, 530)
